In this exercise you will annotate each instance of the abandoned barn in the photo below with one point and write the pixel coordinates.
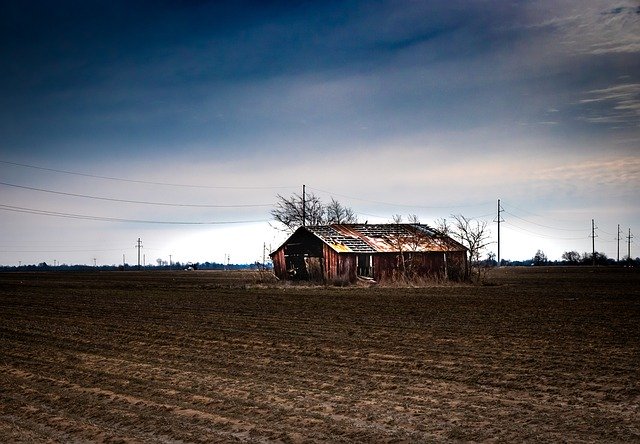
(370, 251)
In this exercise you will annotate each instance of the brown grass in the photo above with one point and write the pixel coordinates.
(544, 354)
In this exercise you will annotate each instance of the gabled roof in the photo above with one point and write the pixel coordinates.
(383, 238)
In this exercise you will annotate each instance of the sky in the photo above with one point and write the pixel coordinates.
(180, 122)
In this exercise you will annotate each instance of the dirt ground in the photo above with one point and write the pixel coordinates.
(542, 354)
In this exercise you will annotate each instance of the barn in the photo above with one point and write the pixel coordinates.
(347, 252)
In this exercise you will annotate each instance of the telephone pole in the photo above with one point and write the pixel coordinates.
(618, 256)
(139, 246)
(304, 206)
(593, 242)
(499, 219)
(629, 237)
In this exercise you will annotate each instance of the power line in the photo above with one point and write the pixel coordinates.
(539, 215)
(396, 204)
(510, 224)
(121, 179)
(116, 219)
(143, 202)
(62, 251)
(606, 232)
(540, 225)
(481, 216)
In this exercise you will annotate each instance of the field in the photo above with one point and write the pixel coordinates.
(542, 354)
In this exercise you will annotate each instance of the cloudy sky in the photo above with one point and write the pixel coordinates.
(178, 122)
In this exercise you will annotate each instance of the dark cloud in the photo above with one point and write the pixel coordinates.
(157, 75)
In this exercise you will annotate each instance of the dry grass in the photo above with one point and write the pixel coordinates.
(542, 354)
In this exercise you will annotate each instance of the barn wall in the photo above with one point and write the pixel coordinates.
(331, 260)
(347, 267)
(388, 266)
(338, 265)
(456, 265)
(299, 258)
(279, 264)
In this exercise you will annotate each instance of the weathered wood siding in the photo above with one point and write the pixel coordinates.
(279, 264)
(306, 257)
(388, 266)
(338, 265)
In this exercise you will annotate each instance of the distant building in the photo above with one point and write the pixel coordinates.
(370, 251)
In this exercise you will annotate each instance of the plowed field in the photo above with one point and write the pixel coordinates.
(544, 354)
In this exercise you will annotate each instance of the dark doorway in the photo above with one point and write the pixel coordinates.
(365, 265)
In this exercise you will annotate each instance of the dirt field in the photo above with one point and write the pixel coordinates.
(545, 354)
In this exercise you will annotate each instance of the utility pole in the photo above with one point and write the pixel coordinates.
(304, 206)
(170, 263)
(629, 237)
(264, 250)
(139, 246)
(618, 256)
(593, 242)
(123, 261)
(94, 262)
(499, 219)
(144, 260)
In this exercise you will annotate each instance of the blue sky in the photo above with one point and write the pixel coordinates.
(429, 108)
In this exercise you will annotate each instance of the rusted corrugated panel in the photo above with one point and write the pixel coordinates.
(340, 248)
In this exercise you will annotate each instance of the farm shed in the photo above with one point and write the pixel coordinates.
(374, 251)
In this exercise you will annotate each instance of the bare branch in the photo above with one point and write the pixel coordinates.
(473, 234)
(443, 226)
(288, 211)
(338, 214)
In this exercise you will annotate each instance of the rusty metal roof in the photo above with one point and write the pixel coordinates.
(383, 238)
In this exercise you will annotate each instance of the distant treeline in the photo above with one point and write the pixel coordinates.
(43, 266)
(568, 258)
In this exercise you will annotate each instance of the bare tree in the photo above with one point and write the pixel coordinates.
(315, 210)
(288, 211)
(413, 219)
(336, 213)
(472, 233)
(443, 226)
